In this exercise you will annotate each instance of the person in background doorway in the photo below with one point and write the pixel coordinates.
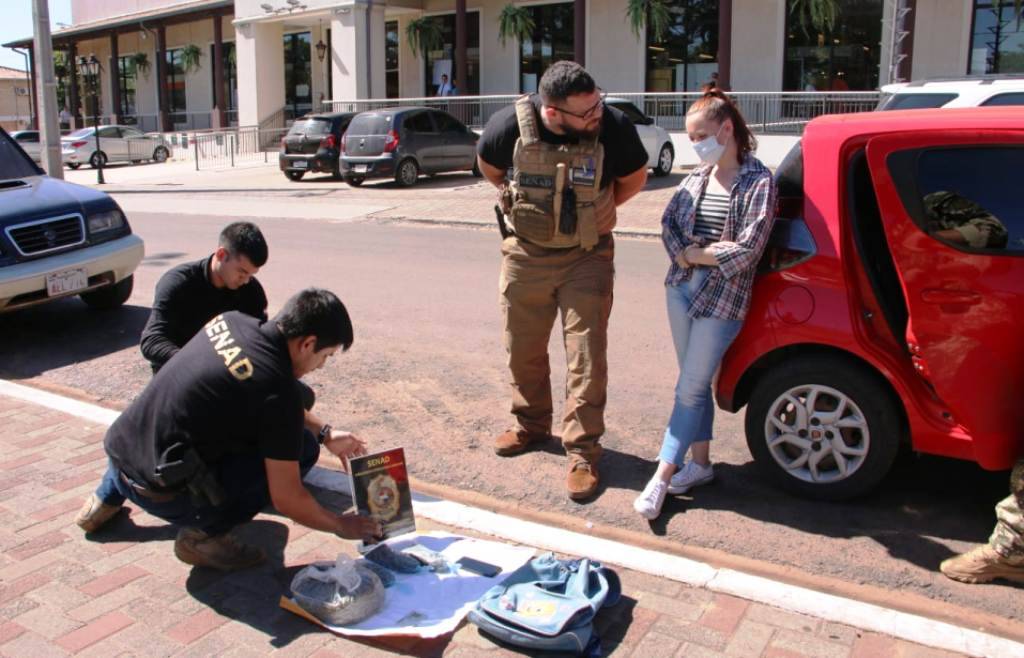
(445, 88)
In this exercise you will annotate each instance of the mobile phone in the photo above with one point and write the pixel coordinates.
(477, 566)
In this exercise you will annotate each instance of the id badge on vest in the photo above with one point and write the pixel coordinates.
(586, 173)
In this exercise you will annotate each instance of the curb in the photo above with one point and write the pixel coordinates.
(792, 598)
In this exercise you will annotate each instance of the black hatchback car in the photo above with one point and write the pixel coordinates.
(312, 144)
(404, 142)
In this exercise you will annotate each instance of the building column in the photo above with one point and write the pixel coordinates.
(115, 79)
(74, 105)
(163, 121)
(259, 53)
(580, 32)
(461, 73)
(724, 42)
(219, 91)
(34, 122)
(357, 27)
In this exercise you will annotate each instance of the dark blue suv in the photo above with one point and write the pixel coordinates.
(59, 239)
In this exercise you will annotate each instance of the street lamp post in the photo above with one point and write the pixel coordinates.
(91, 70)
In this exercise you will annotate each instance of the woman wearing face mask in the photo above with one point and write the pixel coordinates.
(714, 230)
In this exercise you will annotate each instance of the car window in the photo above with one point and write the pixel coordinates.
(370, 123)
(130, 132)
(418, 123)
(109, 131)
(967, 197)
(916, 101)
(446, 123)
(13, 163)
(318, 126)
(631, 111)
(27, 137)
(1015, 98)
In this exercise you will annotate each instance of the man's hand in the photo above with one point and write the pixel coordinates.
(345, 445)
(353, 526)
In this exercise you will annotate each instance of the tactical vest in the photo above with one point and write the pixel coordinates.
(545, 176)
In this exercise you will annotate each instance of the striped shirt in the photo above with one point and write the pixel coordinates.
(711, 213)
(726, 292)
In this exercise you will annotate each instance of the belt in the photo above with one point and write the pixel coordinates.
(155, 496)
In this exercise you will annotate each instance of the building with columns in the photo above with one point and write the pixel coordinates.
(195, 64)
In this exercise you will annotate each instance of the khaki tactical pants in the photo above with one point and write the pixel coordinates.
(1008, 537)
(536, 285)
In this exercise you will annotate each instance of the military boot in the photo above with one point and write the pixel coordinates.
(982, 565)
(514, 442)
(95, 514)
(223, 552)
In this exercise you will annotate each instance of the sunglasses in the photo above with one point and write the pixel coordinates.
(591, 112)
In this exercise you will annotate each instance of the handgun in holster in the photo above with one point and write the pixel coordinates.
(181, 467)
(502, 208)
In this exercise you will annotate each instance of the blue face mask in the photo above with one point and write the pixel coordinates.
(708, 149)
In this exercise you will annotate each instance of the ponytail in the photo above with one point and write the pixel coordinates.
(718, 107)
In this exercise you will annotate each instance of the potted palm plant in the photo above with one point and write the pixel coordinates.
(652, 14)
(424, 34)
(141, 62)
(821, 15)
(515, 22)
(190, 56)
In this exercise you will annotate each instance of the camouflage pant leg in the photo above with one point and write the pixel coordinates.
(1008, 537)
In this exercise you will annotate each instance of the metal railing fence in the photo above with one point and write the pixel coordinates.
(784, 112)
(230, 148)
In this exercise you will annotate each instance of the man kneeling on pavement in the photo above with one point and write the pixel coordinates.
(219, 433)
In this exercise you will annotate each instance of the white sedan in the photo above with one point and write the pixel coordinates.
(658, 143)
(28, 140)
(116, 144)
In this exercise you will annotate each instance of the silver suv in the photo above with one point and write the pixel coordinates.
(954, 92)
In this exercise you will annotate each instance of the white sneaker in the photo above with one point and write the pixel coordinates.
(648, 503)
(689, 476)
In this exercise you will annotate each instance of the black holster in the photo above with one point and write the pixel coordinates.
(181, 467)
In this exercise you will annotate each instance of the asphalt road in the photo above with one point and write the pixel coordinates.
(427, 371)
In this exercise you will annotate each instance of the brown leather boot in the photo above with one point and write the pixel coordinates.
(223, 552)
(514, 442)
(583, 477)
(982, 565)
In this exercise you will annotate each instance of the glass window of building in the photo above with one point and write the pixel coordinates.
(175, 85)
(127, 77)
(847, 58)
(442, 60)
(552, 41)
(997, 40)
(391, 47)
(688, 54)
(230, 76)
(298, 74)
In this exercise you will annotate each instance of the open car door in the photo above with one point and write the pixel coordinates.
(952, 206)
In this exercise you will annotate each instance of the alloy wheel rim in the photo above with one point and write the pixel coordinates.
(408, 173)
(817, 434)
(666, 159)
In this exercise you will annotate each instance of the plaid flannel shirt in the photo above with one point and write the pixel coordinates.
(726, 292)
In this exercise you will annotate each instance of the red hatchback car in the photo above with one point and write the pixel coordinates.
(890, 308)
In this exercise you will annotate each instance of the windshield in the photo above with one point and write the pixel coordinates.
(370, 124)
(14, 163)
(81, 132)
(915, 101)
(311, 127)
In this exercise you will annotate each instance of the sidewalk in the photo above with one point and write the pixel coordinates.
(123, 592)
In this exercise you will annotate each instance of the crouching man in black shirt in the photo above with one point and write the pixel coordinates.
(218, 434)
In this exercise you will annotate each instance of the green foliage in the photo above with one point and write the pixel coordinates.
(515, 23)
(424, 34)
(190, 57)
(820, 15)
(141, 62)
(653, 14)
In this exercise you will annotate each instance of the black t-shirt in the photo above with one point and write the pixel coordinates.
(230, 389)
(624, 153)
(185, 300)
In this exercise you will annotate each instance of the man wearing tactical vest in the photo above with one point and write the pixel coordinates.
(572, 162)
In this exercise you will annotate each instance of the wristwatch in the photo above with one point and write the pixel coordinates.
(324, 434)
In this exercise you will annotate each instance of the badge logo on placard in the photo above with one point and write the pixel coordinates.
(586, 174)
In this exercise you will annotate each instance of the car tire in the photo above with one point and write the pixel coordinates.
(476, 170)
(110, 297)
(355, 182)
(407, 173)
(160, 154)
(835, 408)
(666, 158)
(294, 175)
(74, 165)
(98, 159)
(336, 173)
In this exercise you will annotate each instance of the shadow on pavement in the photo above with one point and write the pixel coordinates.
(665, 182)
(41, 338)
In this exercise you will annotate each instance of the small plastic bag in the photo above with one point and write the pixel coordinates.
(339, 593)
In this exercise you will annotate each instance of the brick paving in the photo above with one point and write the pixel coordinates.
(121, 592)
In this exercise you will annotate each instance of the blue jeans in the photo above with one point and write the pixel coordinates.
(243, 478)
(700, 344)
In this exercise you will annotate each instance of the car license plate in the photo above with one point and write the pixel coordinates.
(61, 283)
(300, 164)
(360, 168)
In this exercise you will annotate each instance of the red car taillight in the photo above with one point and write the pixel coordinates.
(329, 142)
(391, 141)
(78, 145)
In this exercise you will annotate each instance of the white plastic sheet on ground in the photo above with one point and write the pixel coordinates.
(426, 604)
